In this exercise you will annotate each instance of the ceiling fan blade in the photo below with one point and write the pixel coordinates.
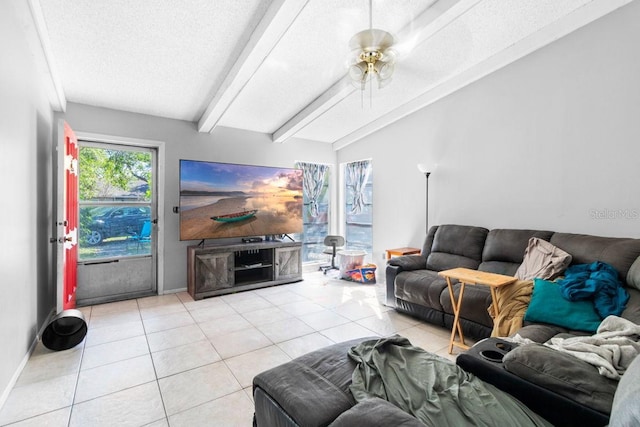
(383, 82)
(405, 47)
(389, 55)
(372, 38)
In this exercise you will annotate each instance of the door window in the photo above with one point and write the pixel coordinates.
(115, 201)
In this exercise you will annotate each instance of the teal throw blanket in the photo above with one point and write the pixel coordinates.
(597, 281)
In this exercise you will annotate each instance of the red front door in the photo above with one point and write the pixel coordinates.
(67, 222)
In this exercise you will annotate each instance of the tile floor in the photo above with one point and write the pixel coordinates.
(172, 361)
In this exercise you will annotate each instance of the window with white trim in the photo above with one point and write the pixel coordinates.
(358, 179)
(315, 211)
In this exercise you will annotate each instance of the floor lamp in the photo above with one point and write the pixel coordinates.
(425, 170)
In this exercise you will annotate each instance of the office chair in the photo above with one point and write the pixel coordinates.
(332, 244)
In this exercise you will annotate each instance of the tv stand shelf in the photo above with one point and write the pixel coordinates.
(251, 267)
(222, 269)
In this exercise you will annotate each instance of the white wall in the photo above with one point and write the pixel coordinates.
(183, 141)
(25, 214)
(543, 143)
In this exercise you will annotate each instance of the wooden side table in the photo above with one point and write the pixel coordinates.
(401, 251)
(467, 276)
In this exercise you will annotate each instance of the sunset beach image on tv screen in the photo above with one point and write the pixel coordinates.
(222, 200)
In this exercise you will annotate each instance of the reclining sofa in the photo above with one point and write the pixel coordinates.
(414, 287)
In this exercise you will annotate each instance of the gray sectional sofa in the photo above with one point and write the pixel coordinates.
(414, 286)
(313, 390)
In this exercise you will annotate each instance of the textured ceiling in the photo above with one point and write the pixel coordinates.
(279, 66)
(148, 56)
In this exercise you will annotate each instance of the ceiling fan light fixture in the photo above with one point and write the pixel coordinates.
(376, 59)
(372, 56)
(385, 70)
(358, 71)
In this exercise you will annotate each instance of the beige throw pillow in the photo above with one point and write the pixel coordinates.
(542, 260)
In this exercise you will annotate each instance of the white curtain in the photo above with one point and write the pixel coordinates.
(313, 183)
(357, 176)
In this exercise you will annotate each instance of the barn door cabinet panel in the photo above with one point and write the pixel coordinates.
(214, 271)
(288, 263)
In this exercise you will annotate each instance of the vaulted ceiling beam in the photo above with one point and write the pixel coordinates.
(552, 32)
(336, 93)
(31, 13)
(275, 23)
(428, 23)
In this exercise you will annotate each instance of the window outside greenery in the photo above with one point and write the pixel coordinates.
(359, 222)
(315, 228)
(115, 202)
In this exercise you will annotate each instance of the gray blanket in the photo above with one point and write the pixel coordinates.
(431, 388)
(611, 349)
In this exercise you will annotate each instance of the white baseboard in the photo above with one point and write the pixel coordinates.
(173, 291)
(25, 359)
(311, 267)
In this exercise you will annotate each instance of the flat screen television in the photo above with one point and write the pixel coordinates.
(224, 200)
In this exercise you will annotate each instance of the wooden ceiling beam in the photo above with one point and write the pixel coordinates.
(275, 23)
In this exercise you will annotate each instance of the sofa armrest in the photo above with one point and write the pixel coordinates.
(562, 373)
(554, 407)
(375, 412)
(390, 283)
(409, 262)
(633, 276)
(625, 411)
(311, 390)
(397, 265)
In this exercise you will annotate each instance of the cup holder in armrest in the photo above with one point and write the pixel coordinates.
(492, 355)
(492, 349)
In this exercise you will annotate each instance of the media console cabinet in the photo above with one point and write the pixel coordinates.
(223, 269)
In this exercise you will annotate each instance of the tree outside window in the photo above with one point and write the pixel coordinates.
(359, 206)
(315, 210)
(115, 198)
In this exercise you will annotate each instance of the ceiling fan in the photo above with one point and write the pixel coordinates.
(375, 52)
(372, 56)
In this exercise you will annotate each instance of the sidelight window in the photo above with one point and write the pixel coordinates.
(358, 177)
(315, 210)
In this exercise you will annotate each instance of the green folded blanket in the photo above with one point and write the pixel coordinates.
(431, 388)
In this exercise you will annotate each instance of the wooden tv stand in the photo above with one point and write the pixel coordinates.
(223, 269)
